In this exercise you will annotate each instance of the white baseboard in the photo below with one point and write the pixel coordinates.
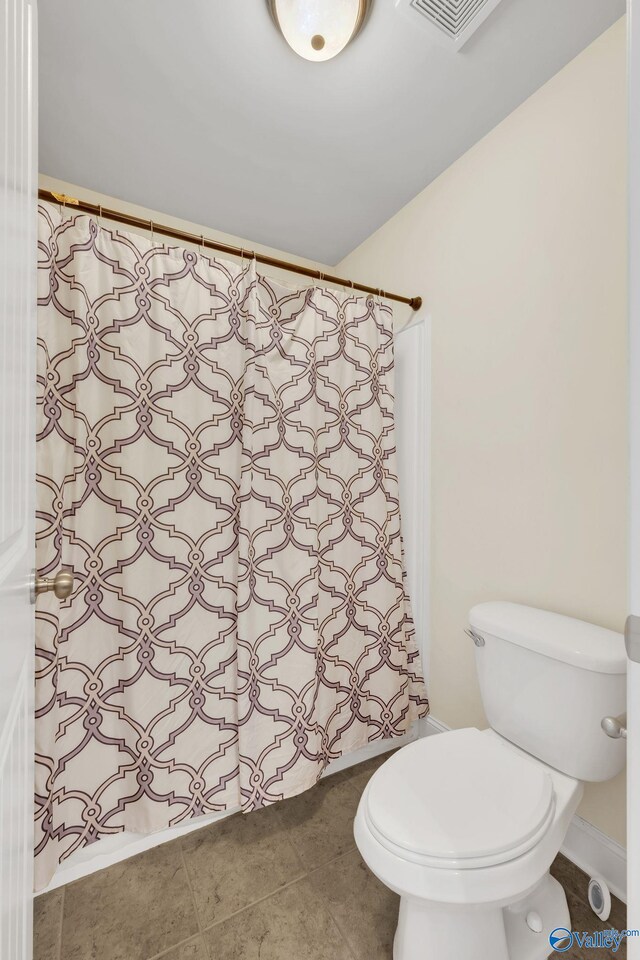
(431, 726)
(104, 853)
(585, 845)
(597, 854)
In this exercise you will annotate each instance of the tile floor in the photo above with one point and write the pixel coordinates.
(285, 883)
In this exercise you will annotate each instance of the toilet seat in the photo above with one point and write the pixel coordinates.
(461, 800)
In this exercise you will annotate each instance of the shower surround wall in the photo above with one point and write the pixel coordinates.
(216, 462)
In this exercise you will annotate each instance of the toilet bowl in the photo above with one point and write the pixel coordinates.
(464, 825)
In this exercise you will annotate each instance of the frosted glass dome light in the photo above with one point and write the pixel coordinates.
(319, 29)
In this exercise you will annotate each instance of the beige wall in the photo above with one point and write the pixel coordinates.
(519, 250)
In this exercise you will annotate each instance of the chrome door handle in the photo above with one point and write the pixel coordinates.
(61, 584)
(615, 727)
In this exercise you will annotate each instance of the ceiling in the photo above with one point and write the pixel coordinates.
(197, 108)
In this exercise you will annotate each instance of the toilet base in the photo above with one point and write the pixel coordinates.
(427, 929)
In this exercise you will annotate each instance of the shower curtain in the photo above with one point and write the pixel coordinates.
(216, 465)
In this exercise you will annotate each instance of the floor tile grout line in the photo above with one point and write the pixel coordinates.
(303, 876)
(327, 904)
(293, 847)
(305, 873)
(337, 925)
(190, 886)
(249, 906)
(255, 903)
(279, 817)
(328, 863)
(169, 950)
(60, 923)
(343, 936)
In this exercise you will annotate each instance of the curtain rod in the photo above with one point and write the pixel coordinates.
(97, 210)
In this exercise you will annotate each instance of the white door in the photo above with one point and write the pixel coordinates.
(17, 389)
(633, 624)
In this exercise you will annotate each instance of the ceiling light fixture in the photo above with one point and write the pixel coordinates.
(319, 29)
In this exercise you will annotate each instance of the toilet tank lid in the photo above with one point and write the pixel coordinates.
(553, 635)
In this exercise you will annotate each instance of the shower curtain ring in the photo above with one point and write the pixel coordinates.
(151, 229)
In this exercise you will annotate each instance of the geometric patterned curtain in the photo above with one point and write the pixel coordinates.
(216, 465)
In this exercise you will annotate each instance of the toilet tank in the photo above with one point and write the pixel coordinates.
(547, 681)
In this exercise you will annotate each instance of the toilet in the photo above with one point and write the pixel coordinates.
(464, 825)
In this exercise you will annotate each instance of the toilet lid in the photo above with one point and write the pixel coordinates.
(460, 799)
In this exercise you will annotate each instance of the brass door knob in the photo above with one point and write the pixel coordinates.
(61, 584)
